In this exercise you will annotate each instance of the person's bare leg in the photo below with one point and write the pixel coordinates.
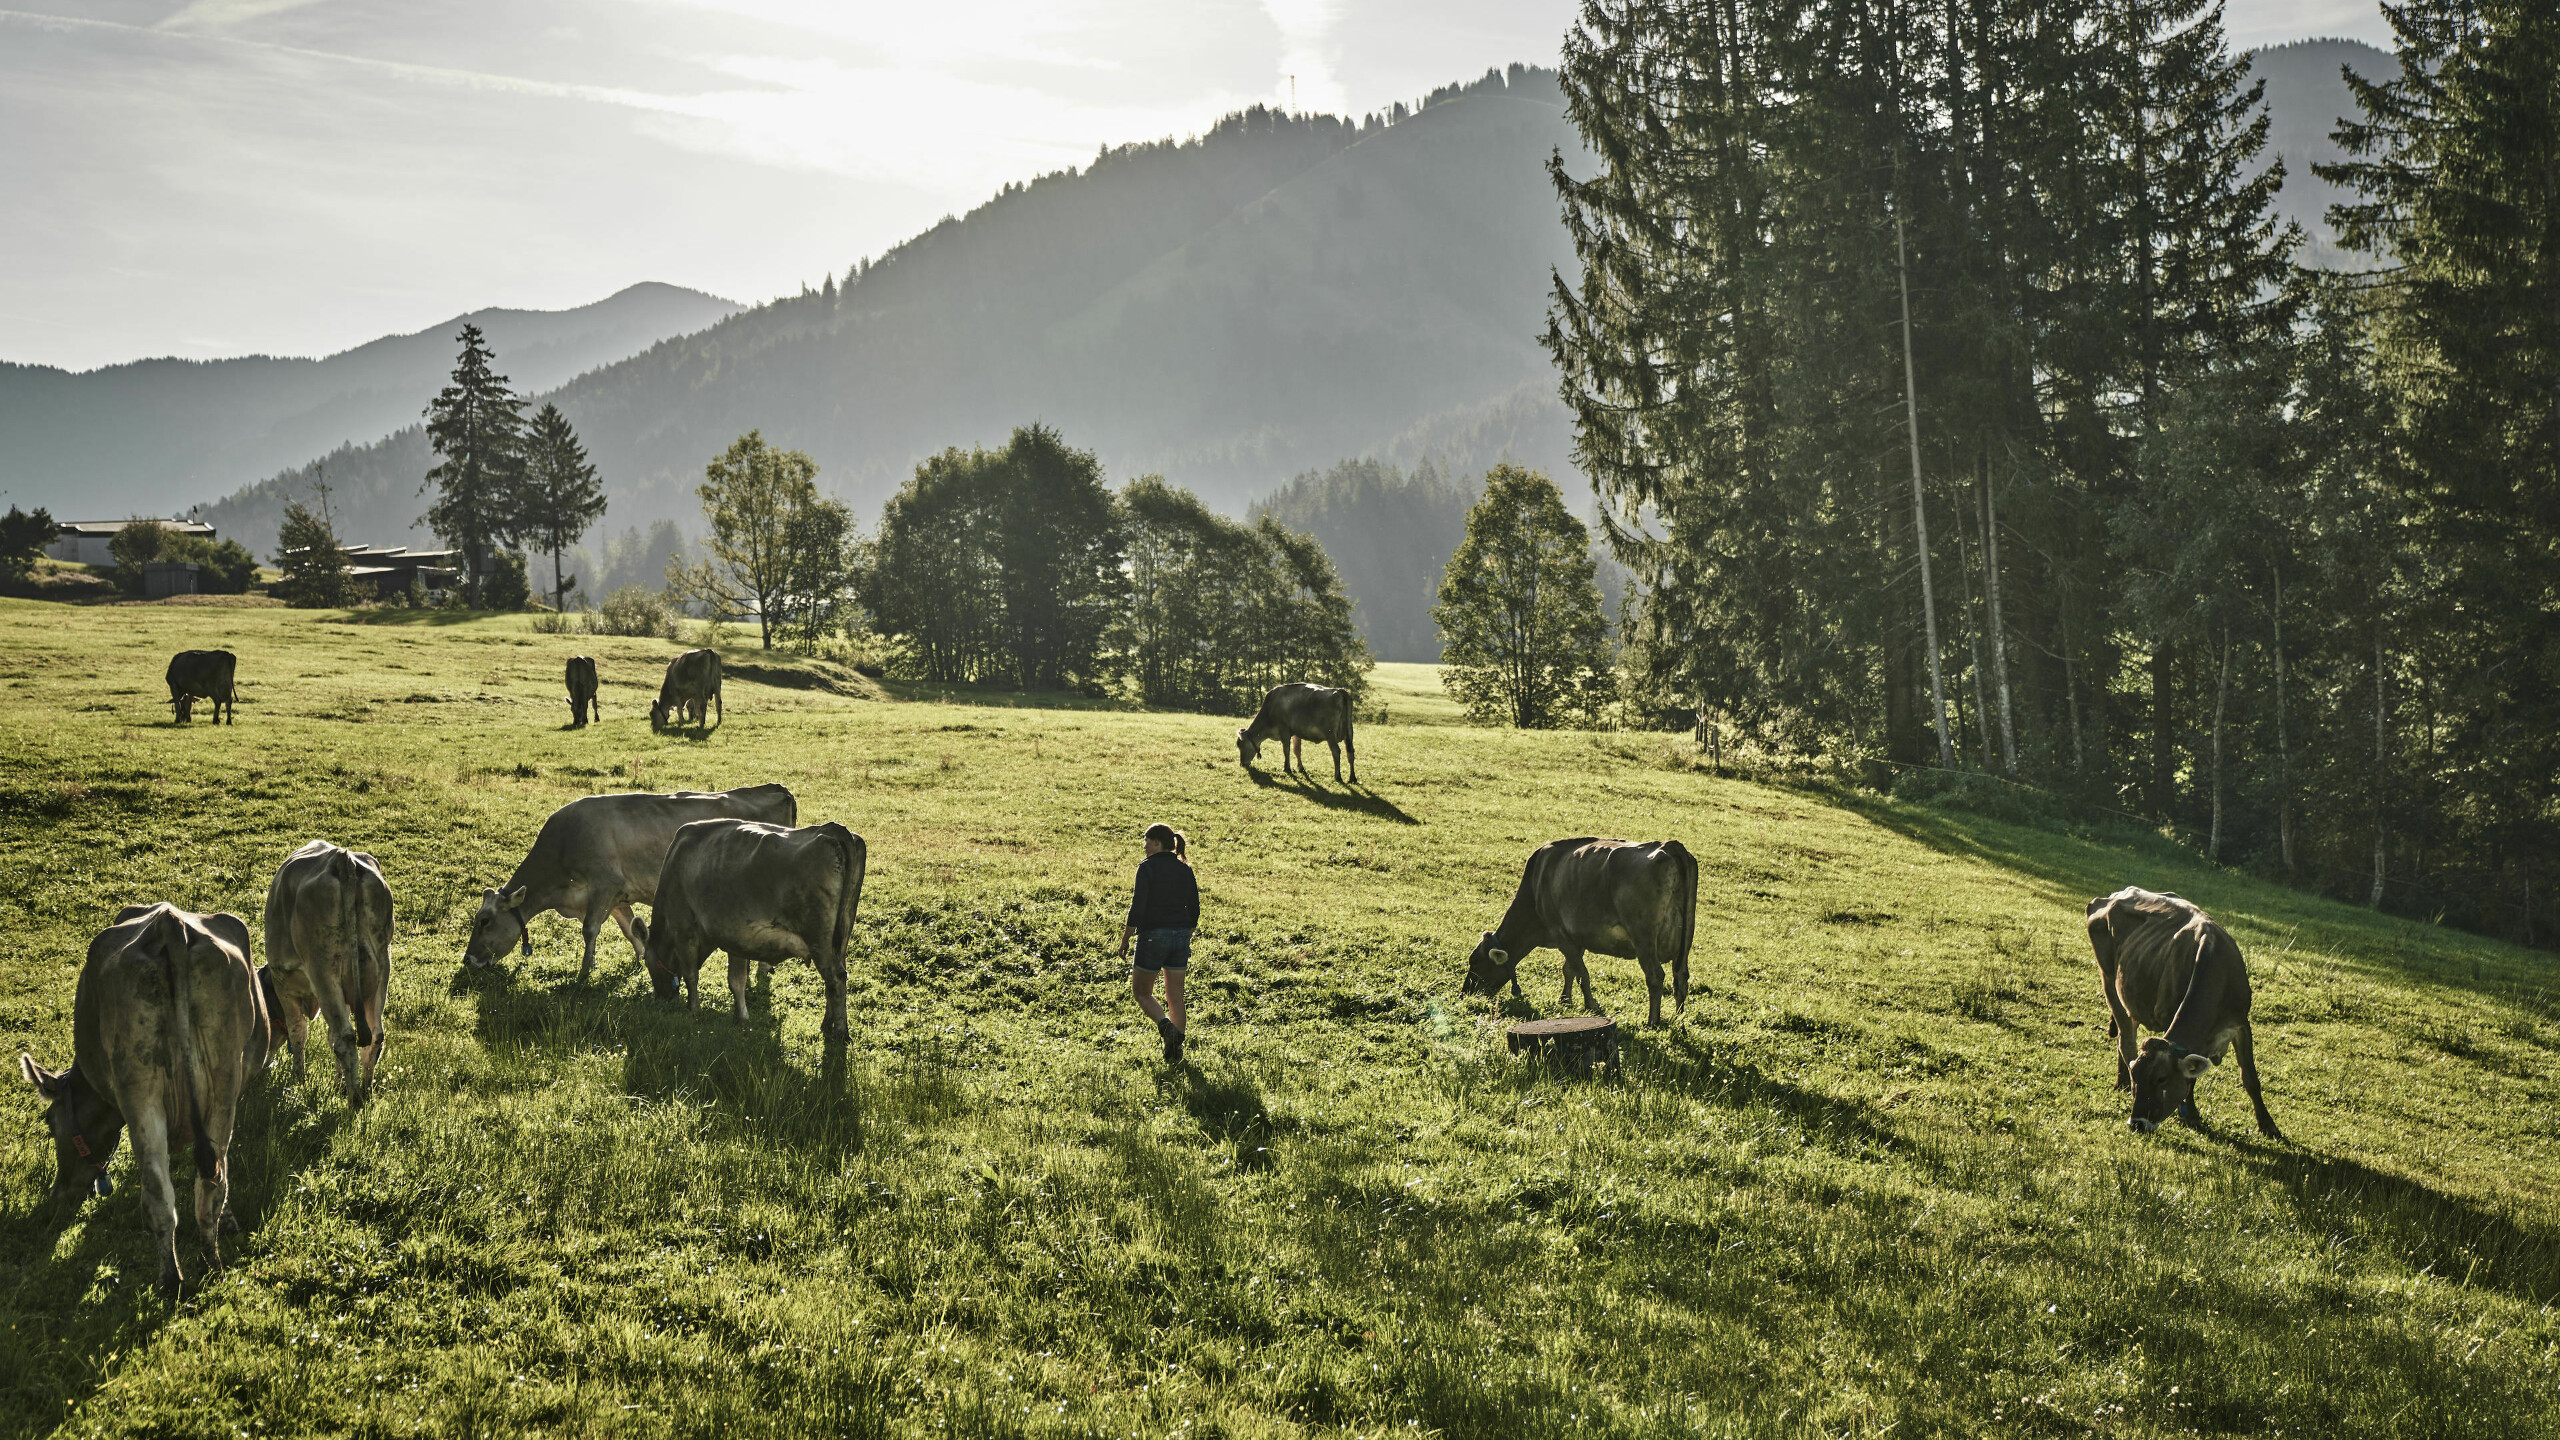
(1142, 983)
(1173, 996)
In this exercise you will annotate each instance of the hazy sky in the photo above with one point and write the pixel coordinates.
(224, 177)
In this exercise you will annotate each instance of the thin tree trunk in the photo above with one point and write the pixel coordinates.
(1999, 630)
(2284, 743)
(2381, 781)
(1973, 648)
(2071, 691)
(2221, 705)
(1919, 507)
(2164, 741)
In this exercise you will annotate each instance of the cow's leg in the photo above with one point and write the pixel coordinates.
(2248, 1056)
(1574, 969)
(373, 1017)
(1680, 982)
(1652, 989)
(631, 932)
(2120, 1027)
(590, 925)
(213, 1192)
(1351, 754)
(297, 1027)
(834, 1025)
(1336, 747)
(738, 987)
(327, 985)
(159, 1197)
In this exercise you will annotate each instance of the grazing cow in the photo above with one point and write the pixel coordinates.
(1613, 896)
(2168, 968)
(1298, 712)
(329, 954)
(760, 892)
(692, 687)
(203, 675)
(582, 690)
(601, 855)
(168, 1028)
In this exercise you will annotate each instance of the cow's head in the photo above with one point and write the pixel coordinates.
(85, 1129)
(1489, 968)
(662, 970)
(185, 705)
(499, 925)
(658, 710)
(2164, 1082)
(1248, 747)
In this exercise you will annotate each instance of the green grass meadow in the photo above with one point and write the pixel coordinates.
(1875, 1181)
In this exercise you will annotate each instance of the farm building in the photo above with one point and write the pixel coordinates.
(85, 542)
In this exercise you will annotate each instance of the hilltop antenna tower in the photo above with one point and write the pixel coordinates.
(1293, 94)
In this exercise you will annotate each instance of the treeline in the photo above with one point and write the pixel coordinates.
(1018, 567)
(1389, 532)
(1953, 396)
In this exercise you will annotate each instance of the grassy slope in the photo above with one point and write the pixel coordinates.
(1875, 1179)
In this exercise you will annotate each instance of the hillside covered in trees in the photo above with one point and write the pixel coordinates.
(1232, 310)
(1228, 310)
(1986, 418)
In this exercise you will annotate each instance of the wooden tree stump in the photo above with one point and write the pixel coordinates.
(1577, 1043)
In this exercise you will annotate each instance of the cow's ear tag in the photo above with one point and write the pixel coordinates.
(2194, 1066)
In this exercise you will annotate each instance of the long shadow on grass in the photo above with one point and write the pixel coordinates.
(2075, 870)
(746, 1070)
(1682, 1059)
(62, 1340)
(1364, 800)
(2420, 1227)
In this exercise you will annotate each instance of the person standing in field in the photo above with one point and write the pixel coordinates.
(1163, 911)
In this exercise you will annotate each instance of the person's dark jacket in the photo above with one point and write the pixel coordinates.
(1167, 896)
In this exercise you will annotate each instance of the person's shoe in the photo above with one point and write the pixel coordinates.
(1172, 1041)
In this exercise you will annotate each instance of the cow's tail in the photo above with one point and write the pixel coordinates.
(1688, 898)
(169, 933)
(355, 935)
(853, 856)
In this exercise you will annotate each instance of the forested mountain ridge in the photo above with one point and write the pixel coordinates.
(156, 436)
(1263, 299)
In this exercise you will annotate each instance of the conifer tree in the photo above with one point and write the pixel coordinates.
(477, 424)
(562, 495)
(312, 559)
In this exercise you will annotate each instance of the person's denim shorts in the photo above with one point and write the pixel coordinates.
(1164, 950)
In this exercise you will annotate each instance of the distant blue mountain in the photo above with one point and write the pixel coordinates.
(156, 435)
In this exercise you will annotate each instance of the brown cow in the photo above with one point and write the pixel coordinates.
(1296, 713)
(1613, 896)
(203, 675)
(582, 690)
(762, 893)
(598, 856)
(692, 688)
(2168, 968)
(168, 1028)
(329, 954)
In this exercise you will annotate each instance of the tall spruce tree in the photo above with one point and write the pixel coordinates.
(2456, 167)
(562, 495)
(477, 424)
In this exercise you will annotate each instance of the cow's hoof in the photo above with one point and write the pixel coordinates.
(168, 1283)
